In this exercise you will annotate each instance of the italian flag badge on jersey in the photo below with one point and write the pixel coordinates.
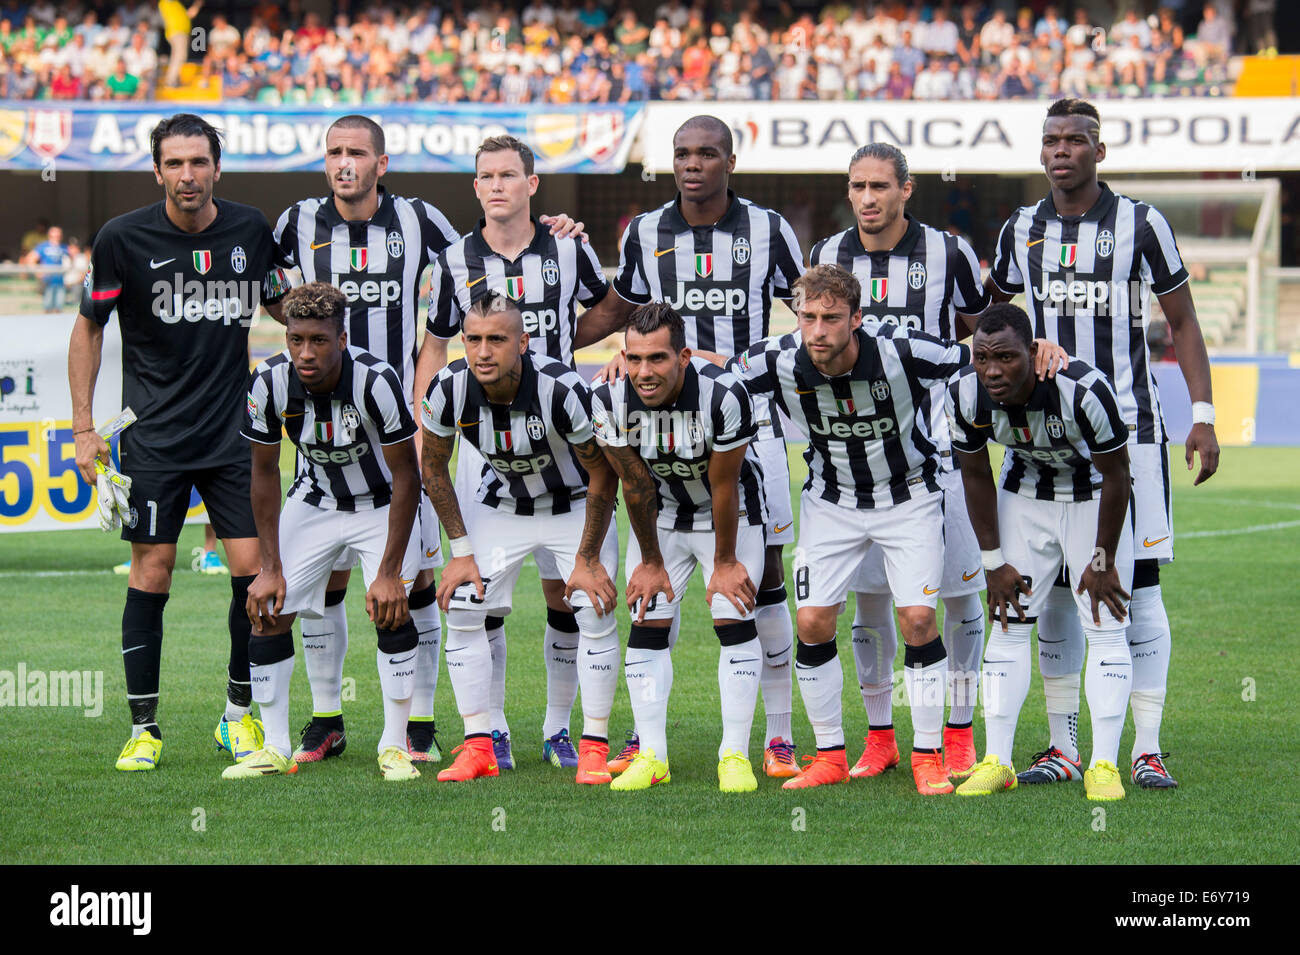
(1069, 252)
(666, 442)
(879, 289)
(324, 431)
(1022, 435)
(844, 405)
(202, 261)
(360, 256)
(503, 440)
(515, 287)
(704, 264)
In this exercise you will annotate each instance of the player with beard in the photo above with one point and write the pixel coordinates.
(184, 368)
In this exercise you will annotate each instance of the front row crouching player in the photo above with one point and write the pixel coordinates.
(1064, 497)
(862, 399)
(549, 490)
(339, 405)
(692, 423)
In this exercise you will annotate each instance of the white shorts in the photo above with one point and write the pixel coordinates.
(1153, 533)
(426, 530)
(963, 572)
(502, 540)
(682, 550)
(314, 541)
(1038, 536)
(771, 454)
(834, 540)
(547, 569)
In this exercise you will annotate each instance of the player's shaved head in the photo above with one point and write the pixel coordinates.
(1002, 352)
(357, 121)
(710, 126)
(497, 304)
(1078, 108)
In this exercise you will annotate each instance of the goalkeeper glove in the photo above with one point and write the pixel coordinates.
(113, 493)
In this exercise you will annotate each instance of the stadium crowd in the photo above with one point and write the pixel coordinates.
(576, 51)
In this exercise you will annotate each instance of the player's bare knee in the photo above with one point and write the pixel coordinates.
(151, 567)
(423, 580)
(339, 580)
(918, 625)
(242, 556)
(553, 591)
(816, 624)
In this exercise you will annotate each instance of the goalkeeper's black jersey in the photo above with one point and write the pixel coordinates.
(185, 303)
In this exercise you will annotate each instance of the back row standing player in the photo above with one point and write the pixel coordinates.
(168, 270)
(1088, 260)
(374, 246)
(718, 260)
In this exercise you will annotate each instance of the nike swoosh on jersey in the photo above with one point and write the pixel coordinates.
(475, 282)
(1030, 245)
(158, 265)
(966, 576)
(929, 590)
(321, 245)
(1148, 542)
(659, 252)
(430, 553)
(466, 424)
(779, 529)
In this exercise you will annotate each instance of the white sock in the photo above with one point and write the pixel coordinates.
(875, 645)
(739, 669)
(396, 682)
(1006, 675)
(1061, 647)
(271, 691)
(1107, 684)
(925, 672)
(235, 713)
(776, 636)
(649, 673)
(963, 638)
(469, 665)
(561, 652)
(324, 647)
(426, 664)
(597, 670)
(1149, 647)
(496, 638)
(821, 681)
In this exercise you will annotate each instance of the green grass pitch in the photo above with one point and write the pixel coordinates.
(1232, 597)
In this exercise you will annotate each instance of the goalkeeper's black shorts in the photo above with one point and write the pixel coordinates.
(161, 499)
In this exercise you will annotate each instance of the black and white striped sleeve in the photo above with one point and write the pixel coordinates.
(733, 414)
(286, 237)
(787, 259)
(609, 413)
(575, 421)
(262, 421)
(969, 296)
(436, 231)
(592, 286)
(629, 281)
(386, 405)
(445, 316)
(756, 366)
(438, 406)
(1160, 253)
(932, 361)
(1006, 272)
(961, 402)
(1096, 411)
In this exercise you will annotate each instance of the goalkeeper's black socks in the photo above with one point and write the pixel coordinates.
(142, 633)
(239, 692)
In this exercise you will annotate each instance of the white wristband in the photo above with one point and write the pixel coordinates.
(992, 559)
(1202, 412)
(461, 547)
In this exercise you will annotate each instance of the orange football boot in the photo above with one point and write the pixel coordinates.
(628, 753)
(473, 759)
(778, 759)
(829, 766)
(959, 758)
(593, 758)
(881, 754)
(931, 778)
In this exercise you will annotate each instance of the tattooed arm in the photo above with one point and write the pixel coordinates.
(435, 454)
(589, 575)
(649, 577)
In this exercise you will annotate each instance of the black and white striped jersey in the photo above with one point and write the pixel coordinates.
(713, 412)
(921, 283)
(1051, 439)
(869, 441)
(547, 281)
(720, 278)
(1088, 281)
(376, 263)
(339, 436)
(528, 443)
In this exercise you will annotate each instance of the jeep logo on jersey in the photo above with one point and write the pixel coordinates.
(550, 271)
(521, 465)
(716, 298)
(916, 275)
(359, 257)
(652, 428)
(903, 321)
(680, 469)
(536, 430)
(337, 456)
(1105, 243)
(704, 264)
(515, 287)
(1052, 455)
(203, 261)
(740, 250)
(540, 321)
(880, 389)
(879, 289)
(226, 302)
(370, 291)
(238, 260)
(1076, 293)
(873, 429)
(1055, 427)
(396, 245)
(1069, 252)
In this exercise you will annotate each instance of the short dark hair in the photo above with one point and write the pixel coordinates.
(888, 153)
(1006, 315)
(648, 319)
(316, 302)
(357, 121)
(711, 124)
(496, 144)
(1076, 107)
(185, 124)
(822, 280)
